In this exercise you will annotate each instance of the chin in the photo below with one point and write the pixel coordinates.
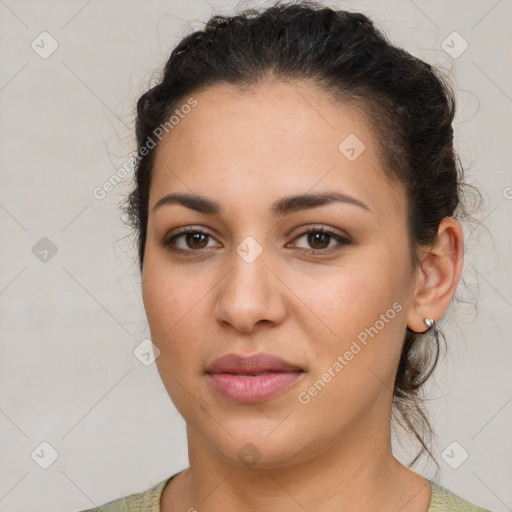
(266, 447)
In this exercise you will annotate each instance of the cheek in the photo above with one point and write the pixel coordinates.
(174, 311)
(168, 293)
(362, 305)
(353, 299)
(175, 315)
(357, 365)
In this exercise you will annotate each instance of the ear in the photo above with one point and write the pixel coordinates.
(437, 276)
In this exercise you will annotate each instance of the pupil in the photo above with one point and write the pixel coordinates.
(317, 238)
(196, 238)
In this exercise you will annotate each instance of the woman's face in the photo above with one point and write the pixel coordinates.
(259, 276)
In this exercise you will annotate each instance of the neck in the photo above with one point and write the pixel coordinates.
(359, 473)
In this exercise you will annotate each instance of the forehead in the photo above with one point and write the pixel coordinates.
(269, 140)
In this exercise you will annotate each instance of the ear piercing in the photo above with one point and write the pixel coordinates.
(429, 322)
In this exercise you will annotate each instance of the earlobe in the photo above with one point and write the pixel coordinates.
(439, 273)
(429, 322)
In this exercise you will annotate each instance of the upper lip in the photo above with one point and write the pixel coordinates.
(253, 364)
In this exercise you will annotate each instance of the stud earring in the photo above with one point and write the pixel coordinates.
(429, 323)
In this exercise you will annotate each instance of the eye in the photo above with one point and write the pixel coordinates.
(320, 238)
(188, 239)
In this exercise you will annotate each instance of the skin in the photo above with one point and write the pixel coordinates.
(246, 149)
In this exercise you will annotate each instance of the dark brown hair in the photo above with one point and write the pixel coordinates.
(407, 102)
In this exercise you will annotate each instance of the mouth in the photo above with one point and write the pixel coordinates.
(252, 379)
(255, 364)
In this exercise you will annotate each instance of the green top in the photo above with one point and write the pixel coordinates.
(441, 500)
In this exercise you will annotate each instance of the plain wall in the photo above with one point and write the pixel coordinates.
(69, 325)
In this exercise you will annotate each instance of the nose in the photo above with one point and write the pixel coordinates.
(249, 295)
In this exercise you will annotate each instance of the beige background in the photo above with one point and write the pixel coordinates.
(69, 325)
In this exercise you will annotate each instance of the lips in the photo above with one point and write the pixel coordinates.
(251, 379)
(257, 364)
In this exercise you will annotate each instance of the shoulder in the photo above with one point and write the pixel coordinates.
(443, 500)
(149, 501)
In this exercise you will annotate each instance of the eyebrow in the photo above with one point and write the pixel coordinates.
(279, 208)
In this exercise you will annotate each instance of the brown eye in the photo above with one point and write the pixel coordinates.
(188, 240)
(196, 240)
(322, 241)
(318, 239)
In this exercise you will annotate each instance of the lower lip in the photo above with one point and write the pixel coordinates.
(251, 389)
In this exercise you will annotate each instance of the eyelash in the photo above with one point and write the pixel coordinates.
(168, 242)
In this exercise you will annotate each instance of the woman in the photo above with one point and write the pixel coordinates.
(295, 202)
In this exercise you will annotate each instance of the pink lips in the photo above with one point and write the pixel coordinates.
(251, 379)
